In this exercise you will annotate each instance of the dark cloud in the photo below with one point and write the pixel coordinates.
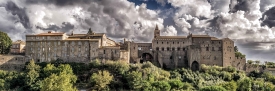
(60, 2)
(65, 27)
(265, 4)
(268, 17)
(20, 12)
(240, 5)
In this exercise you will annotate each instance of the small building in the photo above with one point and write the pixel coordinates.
(18, 47)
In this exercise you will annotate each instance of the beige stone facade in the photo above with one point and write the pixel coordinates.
(46, 47)
(186, 51)
(164, 51)
(18, 47)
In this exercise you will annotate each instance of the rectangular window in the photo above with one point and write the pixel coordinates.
(220, 48)
(139, 48)
(207, 48)
(213, 49)
(103, 51)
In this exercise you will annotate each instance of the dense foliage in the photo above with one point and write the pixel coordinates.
(117, 76)
(5, 43)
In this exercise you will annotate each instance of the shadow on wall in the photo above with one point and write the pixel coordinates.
(195, 66)
(146, 57)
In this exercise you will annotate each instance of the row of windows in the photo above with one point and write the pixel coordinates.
(213, 49)
(66, 43)
(15, 46)
(168, 42)
(48, 37)
(168, 49)
(64, 49)
(104, 51)
(206, 41)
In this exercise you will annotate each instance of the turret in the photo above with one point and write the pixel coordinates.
(156, 32)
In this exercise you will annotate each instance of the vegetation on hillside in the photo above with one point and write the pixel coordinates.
(118, 76)
(237, 53)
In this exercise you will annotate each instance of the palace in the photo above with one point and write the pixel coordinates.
(164, 51)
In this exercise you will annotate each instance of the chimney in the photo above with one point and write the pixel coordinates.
(49, 31)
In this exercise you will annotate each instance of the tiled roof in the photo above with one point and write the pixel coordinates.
(51, 34)
(200, 35)
(171, 37)
(95, 34)
(214, 38)
(18, 42)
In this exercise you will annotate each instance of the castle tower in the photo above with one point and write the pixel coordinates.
(156, 32)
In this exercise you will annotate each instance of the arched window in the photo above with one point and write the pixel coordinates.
(157, 48)
(168, 49)
(162, 49)
(173, 49)
(178, 49)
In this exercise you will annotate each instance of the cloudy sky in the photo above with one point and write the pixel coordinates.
(248, 22)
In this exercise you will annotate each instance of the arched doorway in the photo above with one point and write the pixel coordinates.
(195, 66)
(146, 57)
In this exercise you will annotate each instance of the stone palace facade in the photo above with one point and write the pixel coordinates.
(164, 51)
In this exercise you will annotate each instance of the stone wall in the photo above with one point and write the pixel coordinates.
(109, 53)
(239, 63)
(228, 52)
(12, 62)
(125, 56)
(252, 67)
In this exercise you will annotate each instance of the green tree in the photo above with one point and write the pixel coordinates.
(60, 78)
(3, 85)
(229, 86)
(244, 84)
(236, 49)
(31, 75)
(161, 86)
(213, 88)
(249, 61)
(5, 43)
(176, 84)
(239, 54)
(134, 80)
(61, 82)
(101, 79)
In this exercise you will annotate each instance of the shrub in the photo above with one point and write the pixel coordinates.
(213, 88)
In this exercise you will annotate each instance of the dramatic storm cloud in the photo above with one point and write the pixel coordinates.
(250, 23)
